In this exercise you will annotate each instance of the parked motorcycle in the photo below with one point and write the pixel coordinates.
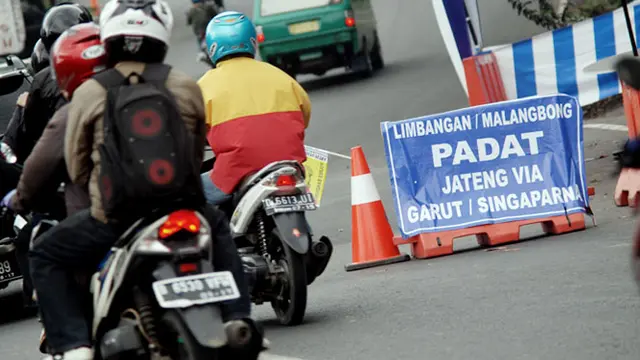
(274, 239)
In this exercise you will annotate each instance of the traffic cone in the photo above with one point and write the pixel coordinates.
(95, 8)
(371, 234)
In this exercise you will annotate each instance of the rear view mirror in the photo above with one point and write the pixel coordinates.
(628, 70)
(11, 82)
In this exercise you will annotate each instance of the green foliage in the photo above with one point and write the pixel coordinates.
(545, 16)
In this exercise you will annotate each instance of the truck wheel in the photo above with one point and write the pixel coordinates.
(377, 59)
(367, 70)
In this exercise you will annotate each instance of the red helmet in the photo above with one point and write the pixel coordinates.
(76, 56)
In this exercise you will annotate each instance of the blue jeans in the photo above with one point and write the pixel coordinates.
(214, 195)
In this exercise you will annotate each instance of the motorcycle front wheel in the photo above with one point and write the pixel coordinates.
(291, 304)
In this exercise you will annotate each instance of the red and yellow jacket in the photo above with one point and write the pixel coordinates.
(257, 114)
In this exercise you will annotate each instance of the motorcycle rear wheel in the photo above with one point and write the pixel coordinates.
(290, 309)
(188, 347)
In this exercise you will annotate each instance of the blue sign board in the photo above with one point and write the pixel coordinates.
(501, 162)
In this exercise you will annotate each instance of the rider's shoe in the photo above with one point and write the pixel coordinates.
(81, 353)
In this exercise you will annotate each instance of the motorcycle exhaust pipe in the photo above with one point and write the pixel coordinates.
(239, 333)
(321, 251)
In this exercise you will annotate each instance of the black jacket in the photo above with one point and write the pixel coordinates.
(44, 100)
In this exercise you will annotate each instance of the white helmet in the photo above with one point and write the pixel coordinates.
(151, 19)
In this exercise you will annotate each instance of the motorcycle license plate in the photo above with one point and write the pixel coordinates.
(289, 203)
(9, 269)
(198, 289)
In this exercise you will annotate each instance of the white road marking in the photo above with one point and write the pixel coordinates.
(612, 127)
(267, 356)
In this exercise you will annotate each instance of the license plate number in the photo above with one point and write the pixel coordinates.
(198, 289)
(9, 269)
(289, 203)
(304, 27)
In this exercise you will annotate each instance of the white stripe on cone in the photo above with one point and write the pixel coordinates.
(363, 190)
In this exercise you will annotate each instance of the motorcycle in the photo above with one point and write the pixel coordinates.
(203, 56)
(10, 225)
(274, 239)
(155, 294)
(9, 267)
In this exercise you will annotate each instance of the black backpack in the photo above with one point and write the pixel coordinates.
(147, 159)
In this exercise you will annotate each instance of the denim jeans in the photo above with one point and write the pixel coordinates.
(79, 244)
(214, 195)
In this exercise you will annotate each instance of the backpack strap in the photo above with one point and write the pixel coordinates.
(156, 73)
(110, 78)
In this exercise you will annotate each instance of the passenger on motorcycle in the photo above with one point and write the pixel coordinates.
(45, 169)
(41, 102)
(44, 98)
(81, 241)
(256, 113)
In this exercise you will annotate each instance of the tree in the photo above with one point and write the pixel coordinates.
(546, 16)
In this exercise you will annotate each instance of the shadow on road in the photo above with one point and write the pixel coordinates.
(12, 309)
(328, 81)
(273, 324)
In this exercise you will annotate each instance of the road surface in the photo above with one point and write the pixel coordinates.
(567, 297)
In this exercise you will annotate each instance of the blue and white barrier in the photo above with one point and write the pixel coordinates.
(555, 61)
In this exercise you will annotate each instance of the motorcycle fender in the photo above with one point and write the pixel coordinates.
(203, 321)
(294, 230)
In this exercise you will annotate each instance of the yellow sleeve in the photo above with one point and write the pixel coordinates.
(206, 97)
(303, 100)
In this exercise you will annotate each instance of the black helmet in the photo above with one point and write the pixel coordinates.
(59, 18)
(39, 57)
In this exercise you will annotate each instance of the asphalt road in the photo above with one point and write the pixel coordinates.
(567, 297)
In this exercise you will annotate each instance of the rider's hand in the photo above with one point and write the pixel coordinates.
(6, 201)
(630, 156)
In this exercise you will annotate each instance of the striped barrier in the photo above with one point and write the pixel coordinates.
(554, 62)
(557, 61)
(483, 78)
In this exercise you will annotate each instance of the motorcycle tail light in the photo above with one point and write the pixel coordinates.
(260, 36)
(187, 268)
(180, 220)
(286, 181)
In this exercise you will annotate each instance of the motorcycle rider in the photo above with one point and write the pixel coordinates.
(40, 104)
(44, 98)
(198, 16)
(39, 57)
(257, 114)
(39, 61)
(82, 240)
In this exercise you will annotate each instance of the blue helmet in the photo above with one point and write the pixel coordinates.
(229, 33)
